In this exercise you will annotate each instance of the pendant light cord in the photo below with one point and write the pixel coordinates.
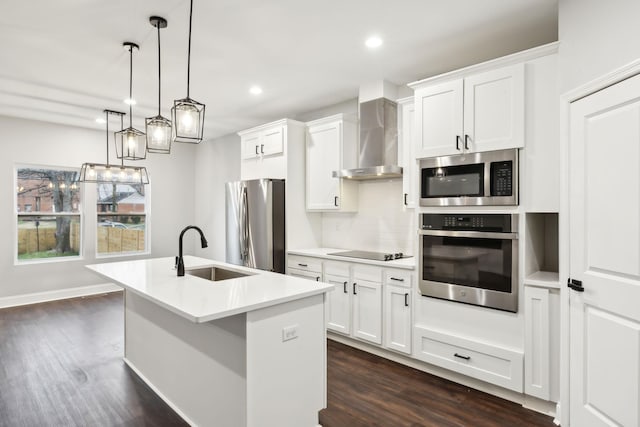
(106, 116)
(159, 68)
(189, 50)
(130, 86)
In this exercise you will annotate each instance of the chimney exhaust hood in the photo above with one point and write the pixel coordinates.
(378, 148)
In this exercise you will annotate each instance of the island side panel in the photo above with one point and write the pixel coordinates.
(197, 368)
(286, 378)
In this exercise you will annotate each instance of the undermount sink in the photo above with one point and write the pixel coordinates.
(215, 274)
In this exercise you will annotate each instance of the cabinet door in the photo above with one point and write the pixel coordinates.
(494, 109)
(250, 146)
(438, 117)
(367, 310)
(272, 142)
(397, 314)
(338, 311)
(536, 342)
(407, 152)
(323, 149)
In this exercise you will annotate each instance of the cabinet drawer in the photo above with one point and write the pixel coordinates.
(398, 277)
(303, 274)
(305, 264)
(337, 268)
(493, 364)
(366, 272)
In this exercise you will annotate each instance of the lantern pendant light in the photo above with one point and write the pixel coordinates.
(187, 115)
(131, 143)
(158, 128)
(112, 174)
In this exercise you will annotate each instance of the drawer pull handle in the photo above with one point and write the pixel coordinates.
(405, 199)
(344, 287)
(317, 278)
(257, 150)
(406, 300)
(462, 357)
(303, 265)
(457, 142)
(335, 201)
(466, 142)
(262, 148)
(396, 279)
(354, 288)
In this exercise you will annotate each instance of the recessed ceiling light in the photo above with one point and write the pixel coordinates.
(101, 120)
(373, 42)
(255, 90)
(130, 101)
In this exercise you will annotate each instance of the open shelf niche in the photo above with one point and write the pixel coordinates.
(541, 250)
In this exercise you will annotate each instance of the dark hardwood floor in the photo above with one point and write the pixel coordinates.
(61, 365)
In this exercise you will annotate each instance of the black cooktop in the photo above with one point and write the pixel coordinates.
(377, 256)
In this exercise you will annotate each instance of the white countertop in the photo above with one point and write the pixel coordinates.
(201, 300)
(406, 263)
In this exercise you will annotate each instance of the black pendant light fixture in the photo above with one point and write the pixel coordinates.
(131, 143)
(158, 128)
(187, 115)
(113, 174)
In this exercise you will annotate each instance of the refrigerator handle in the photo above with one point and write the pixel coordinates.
(244, 227)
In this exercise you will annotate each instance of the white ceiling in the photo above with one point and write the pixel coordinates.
(62, 61)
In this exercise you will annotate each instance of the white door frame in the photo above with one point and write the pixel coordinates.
(566, 99)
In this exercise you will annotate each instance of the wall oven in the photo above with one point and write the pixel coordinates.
(470, 258)
(488, 178)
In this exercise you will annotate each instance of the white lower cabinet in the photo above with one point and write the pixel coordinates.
(355, 306)
(305, 268)
(496, 365)
(397, 318)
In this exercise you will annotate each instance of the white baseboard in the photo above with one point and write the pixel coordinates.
(38, 297)
(156, 391)
(529, 402)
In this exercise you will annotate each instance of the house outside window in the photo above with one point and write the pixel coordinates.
(121, 219)
(52, 230)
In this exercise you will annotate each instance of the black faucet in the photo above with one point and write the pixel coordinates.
(179, 261)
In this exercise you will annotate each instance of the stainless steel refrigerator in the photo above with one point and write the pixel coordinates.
(255, 224)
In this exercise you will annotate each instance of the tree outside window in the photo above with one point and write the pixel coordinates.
(48, 214)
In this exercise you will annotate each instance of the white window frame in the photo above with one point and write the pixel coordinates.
(17, 215)
(147, 229)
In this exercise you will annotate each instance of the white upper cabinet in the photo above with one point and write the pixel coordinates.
(480, 112)
(330, 146)
(263, 150)
(406, 150)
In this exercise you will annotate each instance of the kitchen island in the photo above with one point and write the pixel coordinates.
(236, 347)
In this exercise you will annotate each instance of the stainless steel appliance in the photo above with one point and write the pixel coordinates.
(377, 256)
(488, 178)
(470, 258)
(255, 224)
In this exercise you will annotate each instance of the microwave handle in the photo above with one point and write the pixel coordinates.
(472, 234)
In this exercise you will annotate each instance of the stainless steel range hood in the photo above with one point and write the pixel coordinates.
(378, 149)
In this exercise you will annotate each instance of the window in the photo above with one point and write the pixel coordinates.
(52, 229)
(121, 212)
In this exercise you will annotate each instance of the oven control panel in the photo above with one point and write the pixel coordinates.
(467, 222)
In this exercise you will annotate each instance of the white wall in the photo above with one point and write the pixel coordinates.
(216, 163)
(32, 142)
(596, 37)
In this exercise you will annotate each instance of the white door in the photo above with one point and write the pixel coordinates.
(604, 218)
(397, 313)
(494, 109)
(338, 312)
(438, 119)
(250, 145)
(367, 310)
(272, 141)
(324, 144)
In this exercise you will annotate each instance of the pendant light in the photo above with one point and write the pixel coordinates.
(158, 128)
(187, 114)
(131, 143)
(113, 174)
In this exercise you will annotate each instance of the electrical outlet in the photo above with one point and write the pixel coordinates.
(289, 333)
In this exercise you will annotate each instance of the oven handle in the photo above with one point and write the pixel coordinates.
(476, 234)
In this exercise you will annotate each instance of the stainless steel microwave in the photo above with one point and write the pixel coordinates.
(481, 179)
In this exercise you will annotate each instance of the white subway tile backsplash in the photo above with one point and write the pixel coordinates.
(380, 224)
